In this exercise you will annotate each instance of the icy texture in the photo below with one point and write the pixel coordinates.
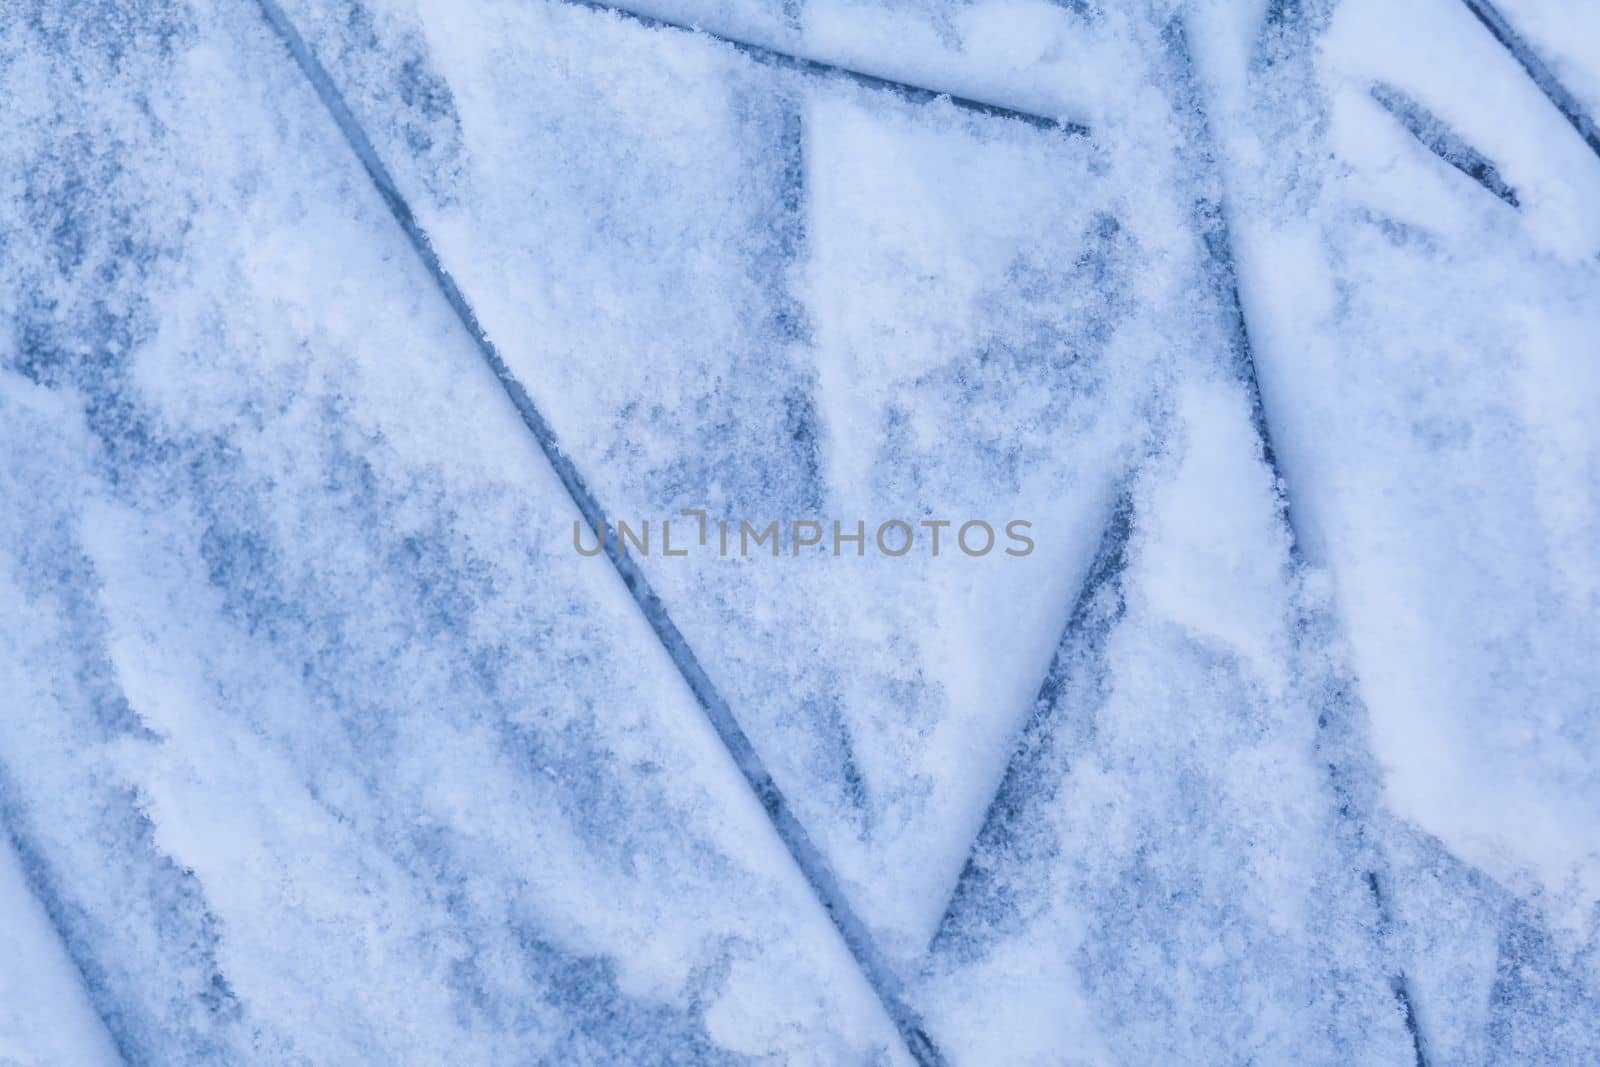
(322, 745)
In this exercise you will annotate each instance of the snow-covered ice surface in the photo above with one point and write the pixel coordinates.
(320, 743)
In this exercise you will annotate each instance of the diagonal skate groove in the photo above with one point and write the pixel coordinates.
(1085, 632)
(807, 857)
(1442, 141)
(815, 68)
(1542, 75)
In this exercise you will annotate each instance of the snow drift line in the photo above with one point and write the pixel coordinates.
(1211, 214)
(801, 849)
(1437, 137)
(816, 68)
(1542, 75)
